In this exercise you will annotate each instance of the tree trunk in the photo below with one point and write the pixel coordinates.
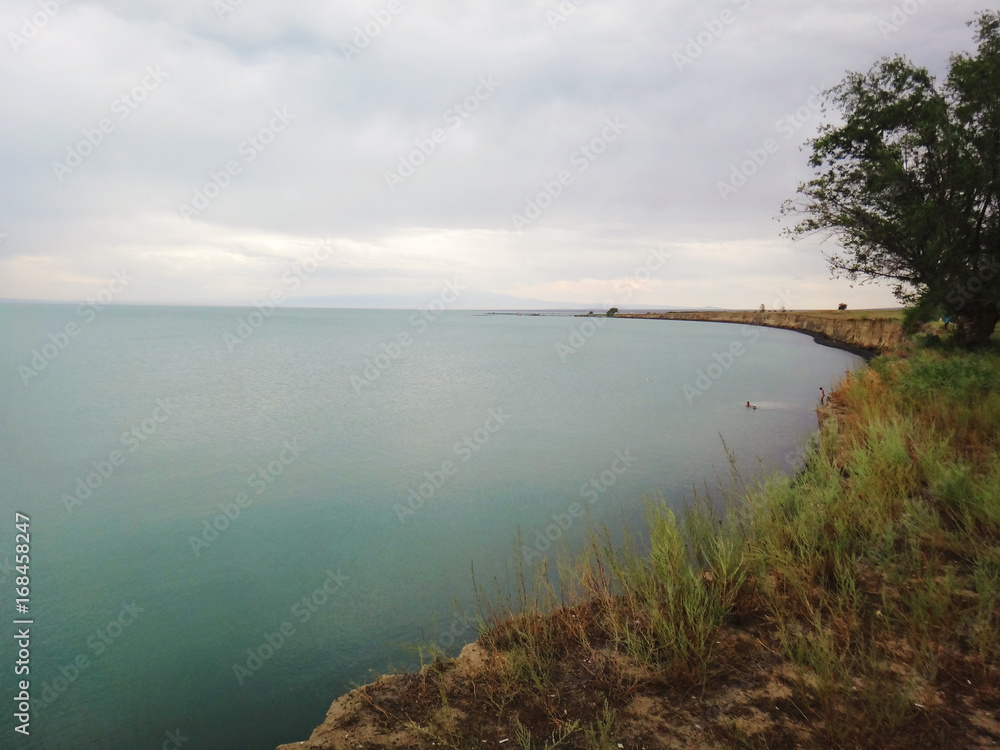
(975, 328)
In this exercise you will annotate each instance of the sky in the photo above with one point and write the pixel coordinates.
(383, 153)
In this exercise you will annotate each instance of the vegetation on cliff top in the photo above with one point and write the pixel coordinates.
(909, 184)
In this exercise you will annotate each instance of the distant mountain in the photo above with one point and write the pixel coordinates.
(468, 301)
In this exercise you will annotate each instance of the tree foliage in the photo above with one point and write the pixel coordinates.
(907, 184)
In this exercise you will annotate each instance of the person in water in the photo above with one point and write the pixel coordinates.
(751, 406)
(822, 396)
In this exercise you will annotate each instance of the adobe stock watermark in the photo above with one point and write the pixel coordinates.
(31, 26)
(579, 335)
(131, 441)
(639, 277)
(302, 611)
(174, 740)
(464, 450)
(797, 458)
(900, 16)
(461, 625)
(783, 298)
(98, 642)
(224, 8)
(721, 363)
(788, 126)
(582, 158)
(713, 31)
(299, 271)
(259, 482)
(93, 138)
(591, 492)
(960, 294)
(250, 148)
(562, 12)
(367, 32)
(60, 340)
(392, 350)
(624, 291)
(455, 116)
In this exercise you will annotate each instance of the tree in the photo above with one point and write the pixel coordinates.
(612, 312)
(908, 184)
(842, 306)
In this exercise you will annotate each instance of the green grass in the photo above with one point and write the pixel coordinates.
(890, 314)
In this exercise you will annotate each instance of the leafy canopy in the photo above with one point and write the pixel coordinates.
(907, 184)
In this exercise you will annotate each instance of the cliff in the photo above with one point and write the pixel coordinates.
(875, 332)
(358, 719)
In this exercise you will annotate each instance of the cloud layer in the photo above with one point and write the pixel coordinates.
(534, 149)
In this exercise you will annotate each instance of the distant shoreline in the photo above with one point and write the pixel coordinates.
(865, 334)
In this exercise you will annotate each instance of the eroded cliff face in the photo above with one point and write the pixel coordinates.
(877, 334)
(356, 721)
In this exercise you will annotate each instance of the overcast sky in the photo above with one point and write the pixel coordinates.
(206, 148)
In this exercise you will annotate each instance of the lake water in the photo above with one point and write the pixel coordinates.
(316, 489)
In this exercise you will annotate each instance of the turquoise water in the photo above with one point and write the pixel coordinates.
(301, 444)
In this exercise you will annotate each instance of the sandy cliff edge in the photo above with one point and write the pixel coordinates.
(869, 336)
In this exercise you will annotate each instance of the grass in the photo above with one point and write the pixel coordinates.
(854, 605)
(889, 313)
(876, 314)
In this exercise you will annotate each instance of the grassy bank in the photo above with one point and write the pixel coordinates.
(854, 605)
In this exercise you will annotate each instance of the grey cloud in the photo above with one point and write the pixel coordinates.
(324, 175)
